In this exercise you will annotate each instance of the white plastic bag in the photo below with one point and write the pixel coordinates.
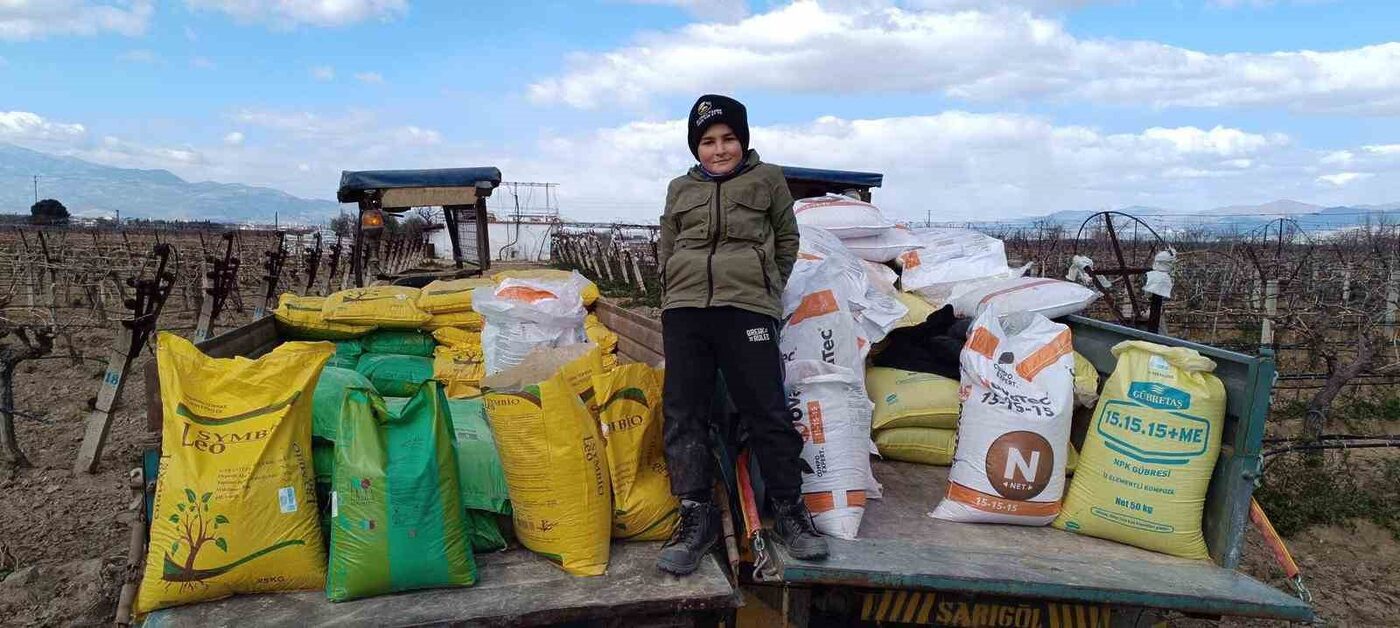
(525, 314)
(881, 277)
(949, 258)
(843, 216)
(821, 252)
(883, 247)
(1051, 298)
(833, 416)
(1013, 433)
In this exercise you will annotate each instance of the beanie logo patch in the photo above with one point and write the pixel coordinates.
(705, 112)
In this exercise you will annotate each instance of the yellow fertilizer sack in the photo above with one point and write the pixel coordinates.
(235, 506)
(919, 309)
(301, 317)
(455, 337)
(552, 453)
(1086, 382)
(470, 321)
(382, 306)
(446, 297)
(590, 289)
(598, 334)
(912, 399)
(1150, 451)
(629, 409)
(460, 370)
(922, 445)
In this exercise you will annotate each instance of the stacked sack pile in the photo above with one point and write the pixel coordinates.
(947, 281)
(388, 461)
(865, 289)
(832, 315)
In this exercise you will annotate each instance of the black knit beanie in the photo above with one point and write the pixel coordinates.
(713, 109)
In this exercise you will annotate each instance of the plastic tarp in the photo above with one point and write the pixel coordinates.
(353, 184)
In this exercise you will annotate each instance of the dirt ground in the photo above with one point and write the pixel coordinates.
(63, 537)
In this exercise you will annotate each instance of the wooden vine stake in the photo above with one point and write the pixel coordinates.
(132, 335)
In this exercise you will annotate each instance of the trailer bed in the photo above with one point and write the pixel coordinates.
(901, 547)
(513, 588)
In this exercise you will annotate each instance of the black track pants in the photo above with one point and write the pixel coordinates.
(743, 345)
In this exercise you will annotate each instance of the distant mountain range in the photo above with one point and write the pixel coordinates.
(97, 191)
(1238, 218)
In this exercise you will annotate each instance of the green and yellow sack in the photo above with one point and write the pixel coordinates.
(399, 342)
(397, 522)
(326, 402)
(1150, 452)
(629, 409)
(302, 317)
(390, 307)
(479, 474)
(553, 456)
(235, 505)
(347, 354)
(396, 375)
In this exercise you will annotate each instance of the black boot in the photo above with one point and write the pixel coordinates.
(793, 526)
(696, 532)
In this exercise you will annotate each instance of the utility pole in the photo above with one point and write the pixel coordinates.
(36, 189)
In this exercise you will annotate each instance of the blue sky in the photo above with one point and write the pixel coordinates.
(998, 109)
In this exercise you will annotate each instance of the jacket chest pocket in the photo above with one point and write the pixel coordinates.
(692, 217)
(746, 213)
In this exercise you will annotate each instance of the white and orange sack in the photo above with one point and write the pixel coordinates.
(833, 416)
(1013, 436)
(525, 314)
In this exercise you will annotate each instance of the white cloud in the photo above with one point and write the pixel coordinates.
(23, 127)
(139, 56)
(986, 55)
(952, 166)
(118, 152)
(323, 73)
(291, 13)
(22, 20)
(369, 78)
(201, 63)
(1343, 178)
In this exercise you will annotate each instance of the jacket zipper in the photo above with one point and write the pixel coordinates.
(718, 222)
(763, 269)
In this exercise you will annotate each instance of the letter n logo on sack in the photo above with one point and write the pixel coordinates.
(813, 305)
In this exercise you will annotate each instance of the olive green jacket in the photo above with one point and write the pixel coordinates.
(729, 241)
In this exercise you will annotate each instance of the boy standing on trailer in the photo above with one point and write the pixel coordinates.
(727, 245)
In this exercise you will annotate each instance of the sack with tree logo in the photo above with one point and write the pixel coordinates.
(235, 506)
